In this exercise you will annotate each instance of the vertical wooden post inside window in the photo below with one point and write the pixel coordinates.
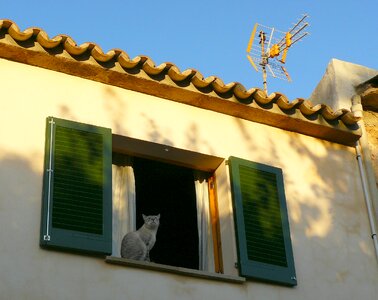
(215, 226)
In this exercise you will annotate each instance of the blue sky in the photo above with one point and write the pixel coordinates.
(212, 36)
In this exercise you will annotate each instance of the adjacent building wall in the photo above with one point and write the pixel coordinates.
(371, 122)
(340, 83)
(368, 92)
(330, 233)
(337, 86)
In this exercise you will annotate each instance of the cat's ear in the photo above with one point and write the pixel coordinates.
(158, 216)
(144, 217)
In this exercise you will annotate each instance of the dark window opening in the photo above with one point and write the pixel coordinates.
(169, 190)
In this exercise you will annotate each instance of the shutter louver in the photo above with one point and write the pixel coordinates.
(78, 181)
(261, 212)
(262, 228)
(77, 187)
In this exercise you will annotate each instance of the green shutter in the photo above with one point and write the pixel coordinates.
(76, 204)
(262, 226)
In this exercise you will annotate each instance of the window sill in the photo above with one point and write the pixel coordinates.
(175, 270)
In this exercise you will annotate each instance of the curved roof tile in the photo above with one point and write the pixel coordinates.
(305, 107)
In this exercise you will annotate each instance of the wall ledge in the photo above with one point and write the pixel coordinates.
(174, 270)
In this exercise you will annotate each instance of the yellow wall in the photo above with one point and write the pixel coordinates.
(332, 247)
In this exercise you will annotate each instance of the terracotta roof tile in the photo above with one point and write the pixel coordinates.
(189, 76)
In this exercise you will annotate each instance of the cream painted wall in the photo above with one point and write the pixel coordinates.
(332, 248)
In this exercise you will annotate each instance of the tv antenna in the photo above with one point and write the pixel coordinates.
(268, 49)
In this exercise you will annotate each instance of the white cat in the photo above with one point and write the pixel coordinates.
(137, 244)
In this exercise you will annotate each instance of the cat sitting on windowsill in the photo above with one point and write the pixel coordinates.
(137, 244)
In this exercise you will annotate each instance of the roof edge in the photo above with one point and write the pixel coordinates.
(140, 74)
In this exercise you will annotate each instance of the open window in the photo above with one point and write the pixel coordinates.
(180, 195)
(86, 201)
(93, 197)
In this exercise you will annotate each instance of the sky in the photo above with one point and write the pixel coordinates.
(212, 36)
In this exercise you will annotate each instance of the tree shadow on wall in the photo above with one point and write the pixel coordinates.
(329, 226)
(323, 191)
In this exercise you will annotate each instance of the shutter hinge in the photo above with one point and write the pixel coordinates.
(226, 162)
(236, 265)
(46, 237)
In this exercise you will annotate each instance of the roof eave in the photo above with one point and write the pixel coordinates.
(188, 87)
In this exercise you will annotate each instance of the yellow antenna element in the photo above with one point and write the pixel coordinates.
(284, 54)
(267, 50)
(287, 74)
(274, 51)
(288, 39)
(251, 38)
(252, 62)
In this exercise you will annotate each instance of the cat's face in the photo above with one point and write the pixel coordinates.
(152, 221)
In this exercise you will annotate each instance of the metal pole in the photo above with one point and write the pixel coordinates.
(264, 60)
(264, 79)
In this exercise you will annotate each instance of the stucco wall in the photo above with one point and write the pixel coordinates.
(332, 248)
(370, 120)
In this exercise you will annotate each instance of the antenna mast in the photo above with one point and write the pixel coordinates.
(268, 50)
